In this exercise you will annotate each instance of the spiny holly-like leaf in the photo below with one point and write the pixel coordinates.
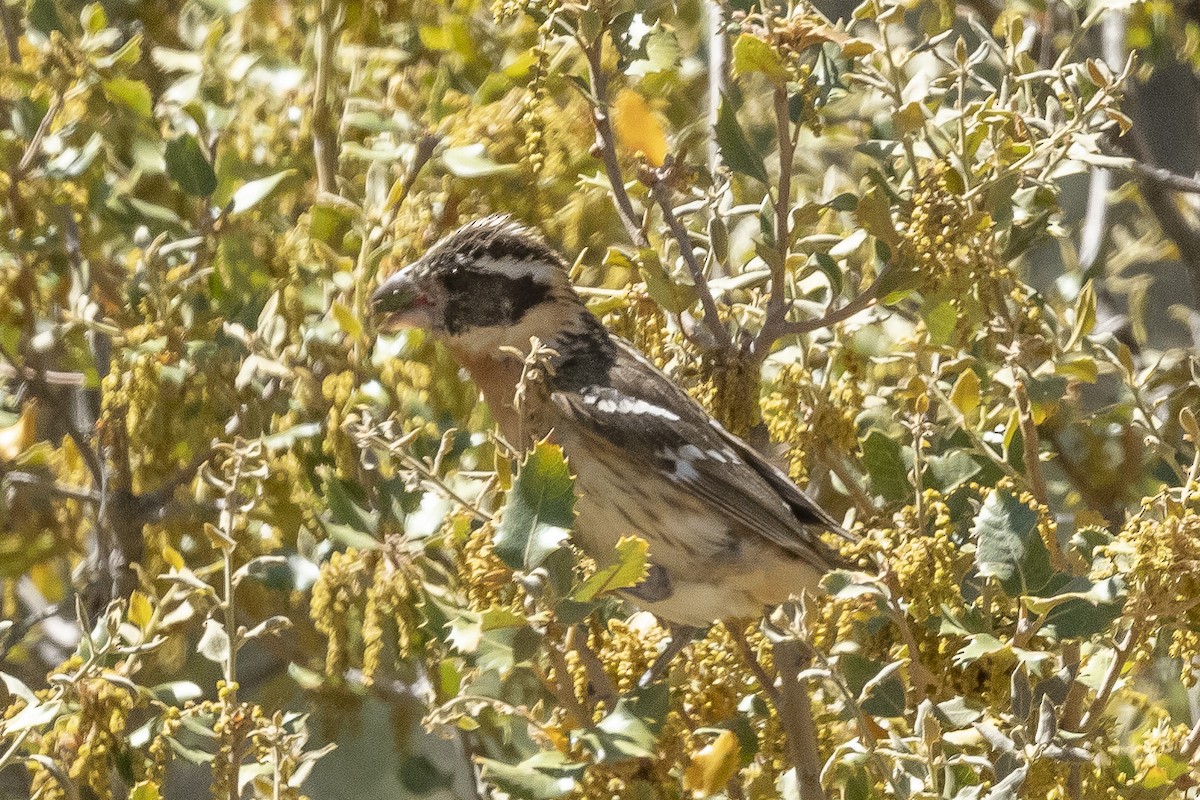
(540, 509)
(631, 730)
(1010, 548)
(628, 570)
(736, 150)
(752, 54)
(543, 776)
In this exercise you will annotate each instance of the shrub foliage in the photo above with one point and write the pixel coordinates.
(238, 527)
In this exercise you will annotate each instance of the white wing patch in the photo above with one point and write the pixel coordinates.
(685, 460)
(628, 405)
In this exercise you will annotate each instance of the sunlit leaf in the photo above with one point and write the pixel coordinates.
(711, 768)
(250, 194)
(214, 643)
(752, 54)
(132, 94)
(540, 510)
(1010, 547)
(629, 569)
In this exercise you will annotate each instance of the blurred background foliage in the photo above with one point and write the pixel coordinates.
(238, 530)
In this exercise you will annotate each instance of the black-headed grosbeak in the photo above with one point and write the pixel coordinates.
(728, 532)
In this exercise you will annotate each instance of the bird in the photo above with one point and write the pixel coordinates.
(729, 534)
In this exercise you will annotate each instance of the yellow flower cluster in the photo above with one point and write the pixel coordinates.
(729, 389)
(928, 564)
(486, 580)
(341, 584)
(358, 601)
(87, 741)
(337, 389)
(627, 651)
(948, 242)
(389, 606)
(159, 751)
(1158, 554)
(810, 418)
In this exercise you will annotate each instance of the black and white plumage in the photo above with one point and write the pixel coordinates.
(728, 532)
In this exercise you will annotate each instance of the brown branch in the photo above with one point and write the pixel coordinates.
(50, 376)
(12, 39)
(1164, 177)
(782, 327)
(35, 144)
(1030, 442)
(49, 486)
(793, 656)
(777, 307)
(712, 320)
(325, 151)
(1160, 198)
(606, 141)
(765, 680)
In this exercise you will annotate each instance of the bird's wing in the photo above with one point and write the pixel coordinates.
(658, 428)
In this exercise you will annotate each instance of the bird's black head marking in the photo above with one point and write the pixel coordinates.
(487, 274)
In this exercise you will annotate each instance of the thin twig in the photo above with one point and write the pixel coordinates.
(606, 141)
(1122, 649)
(776, 307)
(325, 151)
(35, 144)
(765, 680)
(864, 301)
(12, 39)
(1030, 443)
(47, 484)
(718, 75)
(712, 320)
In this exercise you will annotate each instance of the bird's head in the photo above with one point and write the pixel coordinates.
(493, 282)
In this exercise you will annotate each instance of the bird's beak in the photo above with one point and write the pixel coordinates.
(399, 302)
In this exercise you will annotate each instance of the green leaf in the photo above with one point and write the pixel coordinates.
(671, 295)
(1085, 315)
(885, 465)
(736, 150)
(540, 509)
(752, 54)
(544, 776)
(948, 472)
(471, 161)
(878, 685)
(188, 167)
(981, 644)
(1010, 548)
(145, 790)
(131, 94)
(662, 53)
(874, 213)
(965, 396)
(254, 192)
(629, 570)
(631, 730)
(214, 642)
